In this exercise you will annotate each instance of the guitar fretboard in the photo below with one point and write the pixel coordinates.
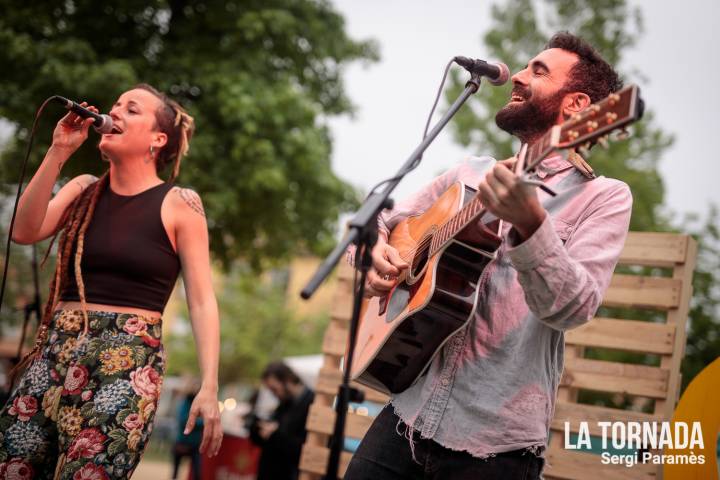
(474, 208)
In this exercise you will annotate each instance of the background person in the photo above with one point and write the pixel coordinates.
(282, 437)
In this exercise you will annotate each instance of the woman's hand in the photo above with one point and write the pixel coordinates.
(205, 406)
(72, 130)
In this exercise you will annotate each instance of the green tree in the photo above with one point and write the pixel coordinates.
(260, 78)
(521, 29)
(703, 345)
(256, 328)
(20, 289)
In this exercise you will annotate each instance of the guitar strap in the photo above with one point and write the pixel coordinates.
(566, 189)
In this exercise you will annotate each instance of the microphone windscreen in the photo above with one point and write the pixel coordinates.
(503, 76)
(104, 124)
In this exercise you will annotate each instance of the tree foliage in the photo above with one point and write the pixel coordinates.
(256, 329)
(703, 345)
(260, 78)
(19, 296)
(521, 29)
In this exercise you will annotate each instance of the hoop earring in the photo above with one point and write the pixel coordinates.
(152, 155)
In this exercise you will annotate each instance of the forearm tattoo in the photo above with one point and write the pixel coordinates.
(192, 199)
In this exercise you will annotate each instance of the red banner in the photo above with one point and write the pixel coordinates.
(237, 460)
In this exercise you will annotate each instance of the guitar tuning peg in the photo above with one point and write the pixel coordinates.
(603, 141)
(623, 134)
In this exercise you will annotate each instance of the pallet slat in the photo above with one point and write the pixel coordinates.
(341, 308)
(345, 271)
(654, 249)
(322, 420)
(628, 335)
(636, 291)
(314, 460)
(576, 413)
(335, 339)
(615, 377)
(329, 380)
(566, 464)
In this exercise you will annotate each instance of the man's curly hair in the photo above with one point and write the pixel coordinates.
(591, 74)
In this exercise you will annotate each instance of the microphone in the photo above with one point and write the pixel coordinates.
(497, 73)
(102, 123)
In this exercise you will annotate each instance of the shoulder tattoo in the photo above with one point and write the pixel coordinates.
(192, 199)
(89, 180)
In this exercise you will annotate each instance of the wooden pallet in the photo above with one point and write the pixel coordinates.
(666, 291)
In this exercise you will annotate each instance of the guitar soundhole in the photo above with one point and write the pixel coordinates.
(420, 260)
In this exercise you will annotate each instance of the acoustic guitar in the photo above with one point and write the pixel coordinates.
(448, 247)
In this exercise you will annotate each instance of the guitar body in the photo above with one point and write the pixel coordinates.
(399, 335)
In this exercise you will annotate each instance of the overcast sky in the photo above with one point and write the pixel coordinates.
(677, 53)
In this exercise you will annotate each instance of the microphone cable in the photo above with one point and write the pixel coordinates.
(417, 161)
(17, 199)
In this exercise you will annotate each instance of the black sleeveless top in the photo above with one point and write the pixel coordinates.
(128, 259)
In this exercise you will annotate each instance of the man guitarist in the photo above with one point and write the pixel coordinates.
(483, 409)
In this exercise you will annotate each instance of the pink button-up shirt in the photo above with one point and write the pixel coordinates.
(492, 388)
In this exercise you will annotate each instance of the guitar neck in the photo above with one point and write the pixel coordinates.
(474, 209)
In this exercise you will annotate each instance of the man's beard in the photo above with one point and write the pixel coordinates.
(532, 118)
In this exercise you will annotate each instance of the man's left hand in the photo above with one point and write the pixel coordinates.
(505, 196)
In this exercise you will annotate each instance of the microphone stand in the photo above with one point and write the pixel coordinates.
(363, 233)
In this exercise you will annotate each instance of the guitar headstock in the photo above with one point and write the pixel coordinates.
(614, 112)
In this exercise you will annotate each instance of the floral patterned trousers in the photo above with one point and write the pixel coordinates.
(84, 408)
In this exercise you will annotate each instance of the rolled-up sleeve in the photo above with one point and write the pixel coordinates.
(564, 284)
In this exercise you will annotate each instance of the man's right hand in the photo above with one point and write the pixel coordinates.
(387, 265)
(72, 130)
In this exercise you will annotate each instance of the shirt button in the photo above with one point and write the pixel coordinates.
(445, 382)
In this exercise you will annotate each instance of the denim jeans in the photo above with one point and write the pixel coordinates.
(384, 454)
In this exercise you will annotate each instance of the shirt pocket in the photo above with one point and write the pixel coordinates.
(563, 228)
